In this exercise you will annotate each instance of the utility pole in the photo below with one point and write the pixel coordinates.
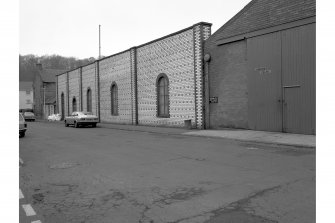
(99, 44)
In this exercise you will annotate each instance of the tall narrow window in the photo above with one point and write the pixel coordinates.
(162, 85)
(74, 104)
(114, 99)
(89, 100)
(62, 106)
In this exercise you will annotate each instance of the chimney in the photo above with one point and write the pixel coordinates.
(39, 65)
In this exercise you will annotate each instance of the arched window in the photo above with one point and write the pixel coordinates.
(114, 99)
(74, 104)
(62, 105)
(162, 85)
(89, 100)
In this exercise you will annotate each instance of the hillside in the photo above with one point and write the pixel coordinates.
(27, 64)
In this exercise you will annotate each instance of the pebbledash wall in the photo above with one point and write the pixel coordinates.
(179, 56)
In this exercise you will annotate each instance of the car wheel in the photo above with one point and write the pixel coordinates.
(94, 125)
(76, 125)
(66, 125)
(22, 134)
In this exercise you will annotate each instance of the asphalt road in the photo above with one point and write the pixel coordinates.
(107, 175)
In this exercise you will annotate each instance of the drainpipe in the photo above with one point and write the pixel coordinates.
(207, 59)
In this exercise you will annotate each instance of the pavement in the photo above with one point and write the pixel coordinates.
(277, 138)
(261, 137)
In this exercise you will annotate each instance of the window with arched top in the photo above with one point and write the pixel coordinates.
(114, 99)
(62, 105)
(89, 100)
(162, 86)
(74, 104)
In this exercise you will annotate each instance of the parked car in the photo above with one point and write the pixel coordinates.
(22, 126)
(29, 116)
(54, 117)
(81, 118)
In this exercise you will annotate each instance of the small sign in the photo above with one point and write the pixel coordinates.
(263, 70)
(213, 100)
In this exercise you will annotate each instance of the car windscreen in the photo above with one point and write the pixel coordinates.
(87, 113)
(28, 113)
(21, 117)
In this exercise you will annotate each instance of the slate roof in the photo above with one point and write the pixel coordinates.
(49, 75)
(261, 14)
(25, 86)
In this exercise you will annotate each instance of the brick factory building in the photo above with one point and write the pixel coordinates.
(261, 68)
(159, 83)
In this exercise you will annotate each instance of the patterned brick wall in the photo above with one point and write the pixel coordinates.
(174, 57)
(135, 72)
(89, 78)
(116, 69)
(201, 32)
(62, 88)
(206, 32)
(133, 68)
(74, 80)
(198, 75)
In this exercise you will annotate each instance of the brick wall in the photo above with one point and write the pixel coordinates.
(133, 68)
(62, 88)
(174, 57)
(135, 72)
(116, 69)
(74, 79)
(89, 80)
(228, 82)
(201, 33)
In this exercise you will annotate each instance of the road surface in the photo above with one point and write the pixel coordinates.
(107, 175)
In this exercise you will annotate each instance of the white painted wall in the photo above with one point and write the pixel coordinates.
(26, 100)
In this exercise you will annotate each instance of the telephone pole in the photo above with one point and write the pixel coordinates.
(99, 44)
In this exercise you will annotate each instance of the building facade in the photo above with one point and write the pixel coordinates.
(26, 95)
(261, 68)
(159, 83)
(44, 87)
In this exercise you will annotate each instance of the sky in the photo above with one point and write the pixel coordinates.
(71, 27)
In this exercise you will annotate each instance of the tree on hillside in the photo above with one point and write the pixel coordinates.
(27, 66)
(28, 69)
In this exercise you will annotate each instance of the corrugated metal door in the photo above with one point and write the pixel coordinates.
(264, 82)
(298, 75)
